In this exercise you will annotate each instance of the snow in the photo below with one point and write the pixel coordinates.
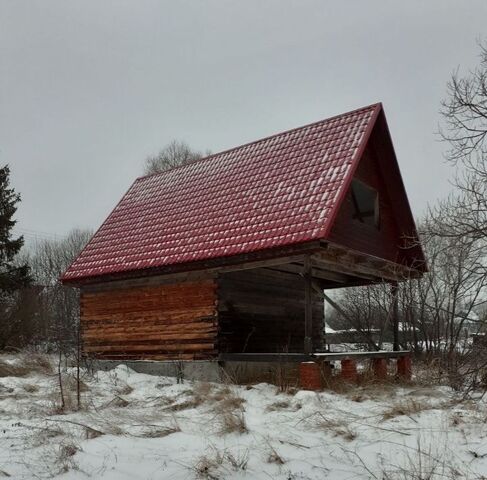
(149, 427)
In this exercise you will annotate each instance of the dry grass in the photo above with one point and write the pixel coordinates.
(191, 403)
(37, 362)
(202, 389)
(408, 407)
(284, 405)
(4, 389)
(232, 422)
(207, 466)
(70, 383)
(70, 401)
(117, 402)
(238, 462)
(426, 462)
(222, 399)
(279, 405)
(332, 426)
(124, 389)
(45, 435)
(64, 458)
(160, 432)
(26, 364)
(221, 393)
(12, 370)
(68, 450)
(30, 388)
(231, 402)
(274, 457)
(200, 394)
(220, 464)
(161, 401)
(229, 409)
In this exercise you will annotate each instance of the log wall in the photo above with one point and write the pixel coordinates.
(262, 310)
(171, 321)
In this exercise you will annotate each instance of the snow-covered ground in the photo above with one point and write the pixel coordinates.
(135, 426)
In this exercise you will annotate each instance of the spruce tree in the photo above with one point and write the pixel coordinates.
(12, 276)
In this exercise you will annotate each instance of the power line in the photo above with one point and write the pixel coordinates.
(37, 235)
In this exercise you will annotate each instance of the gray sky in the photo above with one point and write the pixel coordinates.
(88, 89)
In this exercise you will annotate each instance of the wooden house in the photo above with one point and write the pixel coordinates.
(230, 255)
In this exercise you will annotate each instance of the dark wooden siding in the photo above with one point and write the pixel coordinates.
(385, 241)
(263, 311)
(172, 321)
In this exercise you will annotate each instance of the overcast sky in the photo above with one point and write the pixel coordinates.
(88, 89)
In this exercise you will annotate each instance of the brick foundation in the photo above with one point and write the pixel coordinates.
(349, 370)
(404, 368)
(379, 366)
(310, 376)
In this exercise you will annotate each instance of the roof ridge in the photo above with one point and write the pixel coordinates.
(268, 137)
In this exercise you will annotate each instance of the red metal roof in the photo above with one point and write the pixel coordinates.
(278, 191)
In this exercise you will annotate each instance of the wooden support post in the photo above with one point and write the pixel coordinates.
(395, 316)
(308, 310)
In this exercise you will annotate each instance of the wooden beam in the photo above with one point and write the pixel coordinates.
(191, 275)
(265, 357)
(299, 357)
(361, 267)
(395, 315)
(339, 267)
(308, 309)
(316, 272)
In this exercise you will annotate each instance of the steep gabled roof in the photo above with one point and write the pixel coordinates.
(278, 191)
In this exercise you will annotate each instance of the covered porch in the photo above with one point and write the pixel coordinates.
(273, 312)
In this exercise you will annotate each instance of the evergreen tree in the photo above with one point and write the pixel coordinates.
(12, 276)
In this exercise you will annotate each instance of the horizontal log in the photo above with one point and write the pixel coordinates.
(137, 305)
(150, 329)
(142, 284)
(106, 337)
(149, 348)
(162, 316)
(175, 357)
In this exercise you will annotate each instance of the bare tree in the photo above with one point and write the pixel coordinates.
(46, 310)
(464, 129)
(172, 155)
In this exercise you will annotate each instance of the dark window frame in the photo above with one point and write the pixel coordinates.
(364, 213)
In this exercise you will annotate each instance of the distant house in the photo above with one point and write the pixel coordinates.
(231, 253)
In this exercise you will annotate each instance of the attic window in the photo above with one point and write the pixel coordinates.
(365, 201)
